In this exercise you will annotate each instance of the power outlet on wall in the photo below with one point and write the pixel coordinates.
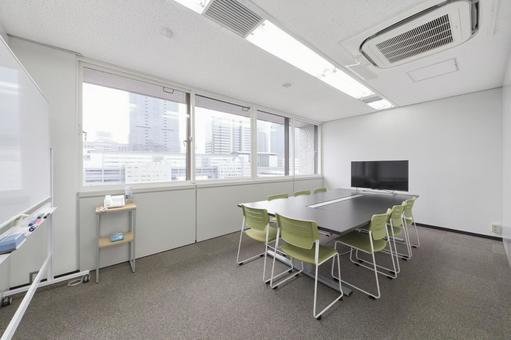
(496, 229)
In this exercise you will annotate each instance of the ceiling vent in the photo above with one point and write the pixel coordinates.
(428, 32)
(234, 16)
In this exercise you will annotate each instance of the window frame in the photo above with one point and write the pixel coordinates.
(221, 101)
(128, 76)
(286, 143)
(191, 157)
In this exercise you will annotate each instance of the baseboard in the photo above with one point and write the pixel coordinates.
(496, 238)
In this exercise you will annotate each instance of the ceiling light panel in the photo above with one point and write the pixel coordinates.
(381, 104)
(273, 40)
(195, 5)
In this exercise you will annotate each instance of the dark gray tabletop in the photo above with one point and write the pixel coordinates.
(355, 210)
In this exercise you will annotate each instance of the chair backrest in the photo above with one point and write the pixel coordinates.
(319, 190)
(378, 225)
(255, 218)
(300, 193)
(298, 233)
(276, 197)
(396, 215)
(408, 207)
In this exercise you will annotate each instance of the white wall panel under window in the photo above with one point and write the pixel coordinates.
(164, 220)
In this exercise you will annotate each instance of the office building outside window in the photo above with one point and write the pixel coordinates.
(272, 141)
(222, 140)
(133, 131)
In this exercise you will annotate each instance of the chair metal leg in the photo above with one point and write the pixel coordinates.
(417, 243)
(239, 243)
(406, 242)
(273, 276)
(318, 315)
(252, 258)
(393, 242)
(407, 238)
(393, 271)
(287, 271)
(371, 295)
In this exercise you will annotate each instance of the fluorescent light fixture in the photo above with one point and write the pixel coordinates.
(381, 104)
(343, 82)
(273, 40)
(195, 5)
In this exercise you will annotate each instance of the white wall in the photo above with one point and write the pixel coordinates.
(506, 162)
(172, 217)
(454, 146)
(166, 218)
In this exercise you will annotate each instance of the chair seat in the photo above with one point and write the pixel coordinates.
(260, 235)
(307, 255)
(361, 241)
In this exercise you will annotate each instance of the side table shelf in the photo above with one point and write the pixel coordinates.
(103, 241)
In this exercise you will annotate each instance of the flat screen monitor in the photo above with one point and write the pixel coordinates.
(382, 175)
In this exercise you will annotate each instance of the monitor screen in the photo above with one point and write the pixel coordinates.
(383, 175)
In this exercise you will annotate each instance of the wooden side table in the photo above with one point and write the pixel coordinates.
(103, 241)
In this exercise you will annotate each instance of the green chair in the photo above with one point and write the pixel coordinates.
(410, 220)
(277, 197)
(256, 226)
(301, 242)
(273, 221)
(399, 232)
(302, 193)
(318, 190)
(370, 242)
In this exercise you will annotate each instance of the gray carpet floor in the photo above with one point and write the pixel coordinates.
(455, 287)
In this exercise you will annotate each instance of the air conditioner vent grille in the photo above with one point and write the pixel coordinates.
(233, 15)
(428, 36)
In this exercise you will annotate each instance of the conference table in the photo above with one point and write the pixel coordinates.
(336, 212)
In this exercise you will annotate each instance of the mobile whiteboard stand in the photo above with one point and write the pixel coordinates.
(46, 268)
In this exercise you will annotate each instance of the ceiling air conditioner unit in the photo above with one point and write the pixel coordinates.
(428, 32)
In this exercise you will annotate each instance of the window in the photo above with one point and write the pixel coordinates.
(133, 131)
(222, 140)
(272, 144)
(306, 148)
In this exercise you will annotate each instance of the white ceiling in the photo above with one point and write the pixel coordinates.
(203, 55)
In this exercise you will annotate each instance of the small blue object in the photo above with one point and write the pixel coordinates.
(116, 237)
(11, 242)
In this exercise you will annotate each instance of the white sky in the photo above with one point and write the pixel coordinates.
(106, 109)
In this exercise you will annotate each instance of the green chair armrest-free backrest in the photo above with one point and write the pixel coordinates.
(255, 218)
(378, 225)
(300, 193)
(318, 190)
(396, 215)
(276, 197)
(298, 233)
(408, 207)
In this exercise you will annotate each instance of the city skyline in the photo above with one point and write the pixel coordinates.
(149, 146)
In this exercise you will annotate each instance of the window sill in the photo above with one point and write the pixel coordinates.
(102, 190)
(99, 191)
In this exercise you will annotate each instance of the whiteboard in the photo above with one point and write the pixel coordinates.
(24, 139)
